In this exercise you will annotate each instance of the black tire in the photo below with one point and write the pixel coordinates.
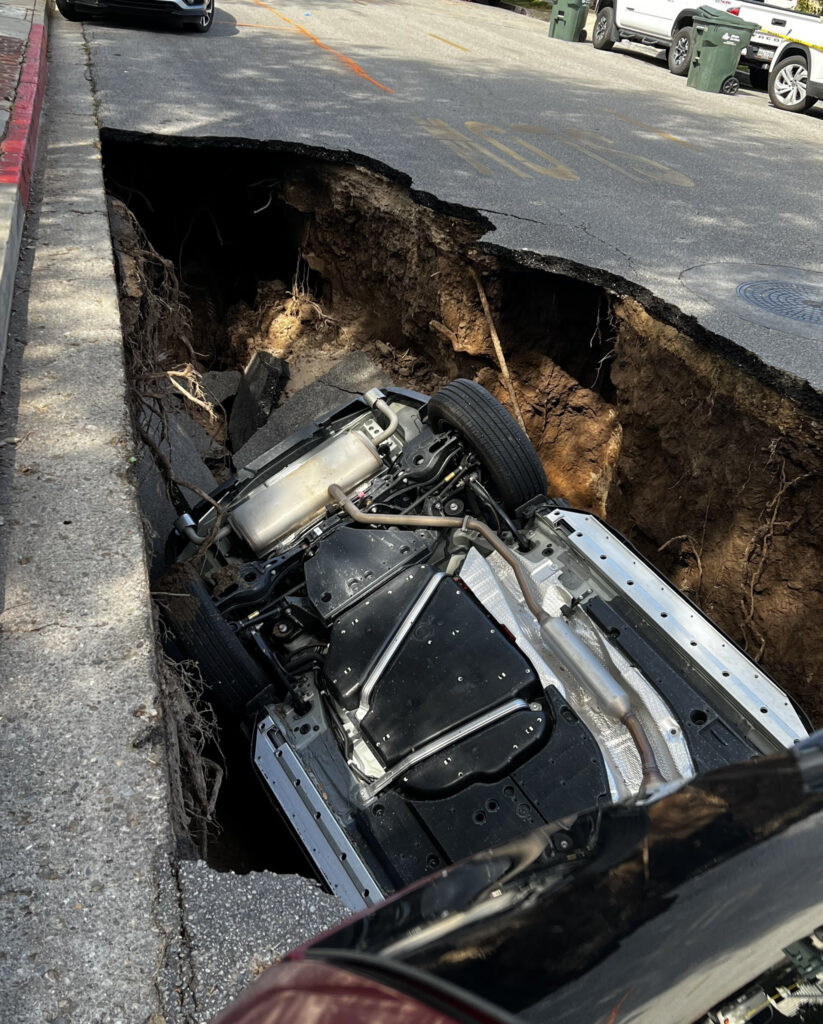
(759, 78)
(679, 56)
(513, 466)
(730, 86)
(67, 9)
(231, 676)
(603, 28)
(787, 85)
(205, 21)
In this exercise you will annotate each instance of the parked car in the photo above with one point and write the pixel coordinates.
(668, 26)
(796, 75)
(197, 15)
(431, 656)
(699, 907)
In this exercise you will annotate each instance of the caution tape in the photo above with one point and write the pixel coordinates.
(791, 39)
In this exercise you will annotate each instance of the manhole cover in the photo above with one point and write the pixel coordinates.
(782, 298)
(796, 301)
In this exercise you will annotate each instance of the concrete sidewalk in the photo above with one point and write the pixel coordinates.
(23, 76)
(100, 922)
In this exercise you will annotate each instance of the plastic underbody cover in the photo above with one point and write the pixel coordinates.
(453, 666)
(446, 664)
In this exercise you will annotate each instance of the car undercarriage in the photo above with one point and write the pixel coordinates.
(432, 657)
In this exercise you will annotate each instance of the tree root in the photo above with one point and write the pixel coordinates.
(757, 554)
(498, 348)
(691, 542)
(194, 778)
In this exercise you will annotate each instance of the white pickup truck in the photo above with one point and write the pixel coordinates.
(667, 25)
(796, 76)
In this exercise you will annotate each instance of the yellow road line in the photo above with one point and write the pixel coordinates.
(648, 128)
(448, 43)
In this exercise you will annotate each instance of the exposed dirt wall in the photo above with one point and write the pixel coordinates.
(397, 281)
(719, 481)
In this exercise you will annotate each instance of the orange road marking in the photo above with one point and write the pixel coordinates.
(446, 41)
(665, 135)
(616, 1009)
(346, 60)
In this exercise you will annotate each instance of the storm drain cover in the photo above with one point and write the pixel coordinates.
(782, 298)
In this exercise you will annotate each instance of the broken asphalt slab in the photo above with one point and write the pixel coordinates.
(261, 386)
(351, 376)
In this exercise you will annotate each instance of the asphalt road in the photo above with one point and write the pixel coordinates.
(710, 202)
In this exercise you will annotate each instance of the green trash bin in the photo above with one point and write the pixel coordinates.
(568, 20)
(719, 38)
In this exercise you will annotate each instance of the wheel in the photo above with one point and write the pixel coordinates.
(513, 466)
(730, 86)
(582, 37)
(602, 32)
(787, 85)
(759, 78)
(231, 676)
(205, 21)
(67, 9)
(680, 52)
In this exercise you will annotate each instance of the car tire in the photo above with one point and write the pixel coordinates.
(787, 85)
(603, 28)
(679, 57)
(759, 78)
(231, 676)
(513, 466)
(68, 10)
(205, 21)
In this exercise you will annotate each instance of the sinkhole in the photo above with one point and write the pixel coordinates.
(224, 248)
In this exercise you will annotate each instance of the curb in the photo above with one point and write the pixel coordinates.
(529, 12)
(17, 155)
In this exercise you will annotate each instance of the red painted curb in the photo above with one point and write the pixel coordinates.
(18, 149)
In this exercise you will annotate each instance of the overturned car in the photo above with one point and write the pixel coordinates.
(431, 656)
